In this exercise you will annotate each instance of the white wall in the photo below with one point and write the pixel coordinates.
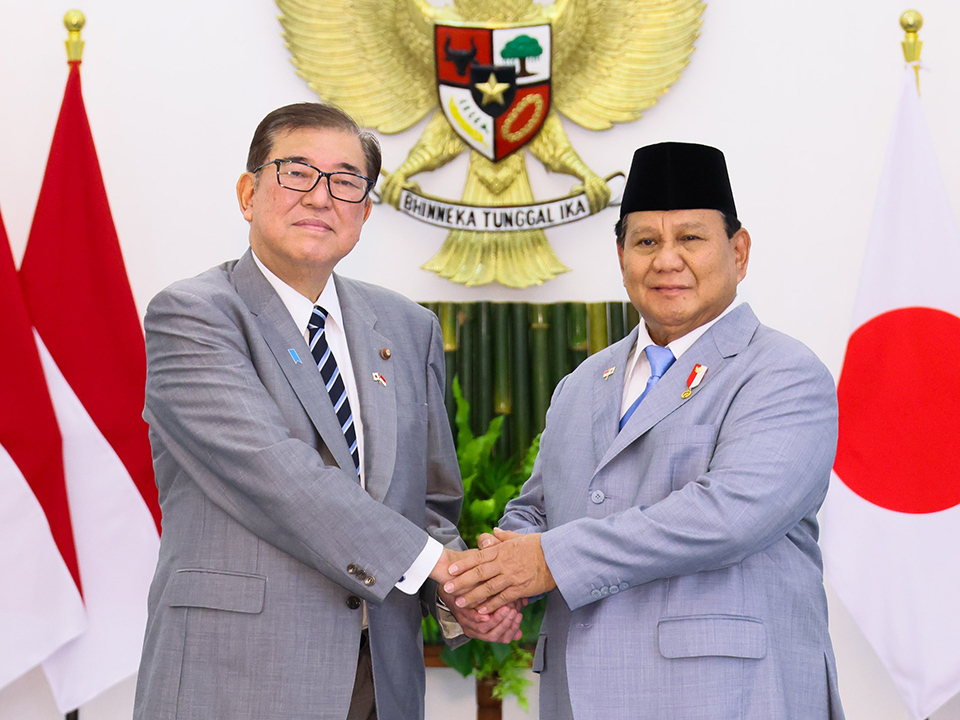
(800, 96)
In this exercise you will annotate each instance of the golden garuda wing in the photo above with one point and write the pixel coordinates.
(614, 58)
(373, 58)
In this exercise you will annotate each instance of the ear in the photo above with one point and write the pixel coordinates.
(741, 248)
(246, 186)
(369, 206)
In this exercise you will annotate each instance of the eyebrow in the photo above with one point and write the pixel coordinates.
(306, 161)
(652, 229)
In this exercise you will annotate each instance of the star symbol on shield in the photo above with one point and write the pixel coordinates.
(492, 90)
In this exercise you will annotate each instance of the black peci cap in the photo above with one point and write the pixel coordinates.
(678, 176)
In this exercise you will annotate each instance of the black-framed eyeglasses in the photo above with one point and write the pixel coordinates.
(301, 177)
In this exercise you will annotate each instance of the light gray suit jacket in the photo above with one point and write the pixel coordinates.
(684, 547)
(254, 612)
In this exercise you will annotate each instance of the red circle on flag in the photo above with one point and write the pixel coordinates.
(899, 394)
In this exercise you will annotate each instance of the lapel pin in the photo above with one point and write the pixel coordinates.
(695, 377)
(293, 354)
(380, 379)
(608, 372)
(385, 353)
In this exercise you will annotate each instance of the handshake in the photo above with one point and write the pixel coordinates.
(487, 588)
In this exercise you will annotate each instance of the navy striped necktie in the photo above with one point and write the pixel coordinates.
(661, 358)
(330, 373)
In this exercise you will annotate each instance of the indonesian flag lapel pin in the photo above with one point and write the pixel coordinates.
(695, 377)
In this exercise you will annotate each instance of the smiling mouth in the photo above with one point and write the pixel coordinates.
(313, 224)
(670, 288)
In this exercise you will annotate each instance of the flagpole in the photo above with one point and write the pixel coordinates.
(911, 21)
(74, 21)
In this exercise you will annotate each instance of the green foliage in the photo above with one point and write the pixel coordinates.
(522, 46)
(488, 485)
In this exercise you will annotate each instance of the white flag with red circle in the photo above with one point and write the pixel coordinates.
(891, 521)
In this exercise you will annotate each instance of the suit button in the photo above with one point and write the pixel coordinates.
(597, 594)
(369, 580)
(352, 569)
(361, 575)
(604, 591)
(623, 586)
(353, 602)
(614, 589)
(597, 497)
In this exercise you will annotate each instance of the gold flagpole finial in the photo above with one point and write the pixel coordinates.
(911, 21)
(74, 21)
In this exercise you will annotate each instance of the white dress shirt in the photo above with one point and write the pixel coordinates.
(638, 365)
(300, 308)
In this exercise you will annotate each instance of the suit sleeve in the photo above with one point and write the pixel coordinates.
(209, 409)
(769, 471)
(444, 488)
(527, 513)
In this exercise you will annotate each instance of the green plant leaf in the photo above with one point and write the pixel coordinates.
(462, 418)
(460, 659)
(483, 509)
(501, 651)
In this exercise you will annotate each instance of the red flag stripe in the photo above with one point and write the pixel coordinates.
(78, 296)
(28, 426)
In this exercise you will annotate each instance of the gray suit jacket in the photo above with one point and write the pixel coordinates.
(684, 547)
(253, 612)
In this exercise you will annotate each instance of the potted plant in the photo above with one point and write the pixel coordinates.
(488, 485)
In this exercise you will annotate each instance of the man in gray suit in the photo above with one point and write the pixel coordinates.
(303, 456)
(671, 514)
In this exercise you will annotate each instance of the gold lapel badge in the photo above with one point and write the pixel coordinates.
(380, 379)
(608, 372)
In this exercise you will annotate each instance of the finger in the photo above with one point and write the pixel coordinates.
(468, 579)
(475, 596)
(503, 631)
(508, 595)
(495, 602)
(469, 559)
(486, 540)
(502, 535)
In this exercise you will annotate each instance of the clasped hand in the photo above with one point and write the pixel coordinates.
(508, 568)
(501, 625)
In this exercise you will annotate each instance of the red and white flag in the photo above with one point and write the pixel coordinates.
(40, 606)
(891, 524)
(91, 346)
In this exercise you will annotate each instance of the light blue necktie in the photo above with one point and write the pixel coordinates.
(661, 359)
(330, 373)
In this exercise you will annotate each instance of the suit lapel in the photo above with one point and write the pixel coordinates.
(282, 335)
(609, 393)
(378, 402)
(726, 339)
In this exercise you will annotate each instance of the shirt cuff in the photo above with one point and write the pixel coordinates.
(411, 581)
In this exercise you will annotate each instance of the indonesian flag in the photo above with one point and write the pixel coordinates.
(91, 346)
(40, 606)
(891, 525)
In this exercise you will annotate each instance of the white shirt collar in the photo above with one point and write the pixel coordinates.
(679, 346)
(299, 306)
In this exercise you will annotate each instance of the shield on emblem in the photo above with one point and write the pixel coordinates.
(494, 84)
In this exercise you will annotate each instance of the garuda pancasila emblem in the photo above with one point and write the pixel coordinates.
(495, 73)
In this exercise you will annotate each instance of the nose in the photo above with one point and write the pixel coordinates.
(320, 195)
(668, 258)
